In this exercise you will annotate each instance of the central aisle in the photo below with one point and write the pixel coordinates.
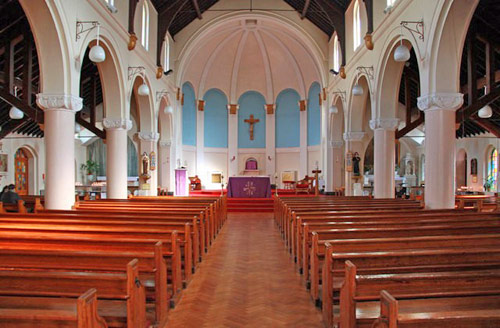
(246, 280)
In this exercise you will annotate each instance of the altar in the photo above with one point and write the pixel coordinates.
(249, 187)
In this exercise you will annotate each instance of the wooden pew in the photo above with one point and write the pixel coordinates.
(362, 292)
(89, 259)
(405, 261)
(51, 312)
(18, 208)
(462, 312)
(121, 295)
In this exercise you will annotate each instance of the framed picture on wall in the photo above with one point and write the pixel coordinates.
(473, 166)
(348, 161)
(3, 163)
(216, 177)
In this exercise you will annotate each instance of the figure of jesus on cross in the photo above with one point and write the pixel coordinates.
(251, 121)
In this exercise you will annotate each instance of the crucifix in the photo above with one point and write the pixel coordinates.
(251, 121)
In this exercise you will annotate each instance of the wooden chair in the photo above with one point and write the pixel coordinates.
(303, 186)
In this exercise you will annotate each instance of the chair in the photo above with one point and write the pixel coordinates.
(195, 183)
(303, 185)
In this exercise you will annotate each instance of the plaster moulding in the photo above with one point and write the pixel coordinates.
(354, 136)
(390, 124)
(440, 101)
(148, 136)
(165, 143)
(336, 144)
(117, 123)
(59, 102)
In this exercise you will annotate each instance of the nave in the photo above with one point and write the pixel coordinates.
(246, 280)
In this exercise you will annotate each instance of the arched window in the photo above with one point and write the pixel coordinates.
(493, 168)
(166, 55)
(145, 25)
(356, 26)
(336, 54)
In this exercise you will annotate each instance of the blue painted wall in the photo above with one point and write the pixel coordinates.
(189, 116)
(313, 116)
(215, 119)
(252, 102)
(287, 119)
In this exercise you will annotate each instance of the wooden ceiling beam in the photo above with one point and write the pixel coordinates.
(11, 125)
(410, 127)
(34, 113)
(304, 10)
(472, 109)
(132, 7)
(92, 128)
(197, 8)
(165, 19)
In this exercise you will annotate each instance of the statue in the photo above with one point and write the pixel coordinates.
(145, 167)
(409, 168)
(355, 162)
(252, 122)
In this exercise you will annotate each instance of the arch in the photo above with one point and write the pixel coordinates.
(358, 104)
(336, 126)
(189, 115)
(314, 115)
(451, 25)
(143, 104)
(252, 103)
(461, 169)
(215, 119)
(52, 45)
(31, 173)
(287, 119)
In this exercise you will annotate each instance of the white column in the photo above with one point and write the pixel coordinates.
(353, 144)
(148, 142)
(164, 164)
(116, 157)
(270, 142)
(303, 145)
(200, 145)
(439, 109)
(384, 156)
(232, 151)
(59, 121)
(337, 162)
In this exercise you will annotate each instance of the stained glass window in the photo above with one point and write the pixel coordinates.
(493, 168)
(356, 26)
(145, 25)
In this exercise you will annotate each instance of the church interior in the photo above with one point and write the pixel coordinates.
(249, 163)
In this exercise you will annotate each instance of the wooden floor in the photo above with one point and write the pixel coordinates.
(246, 280)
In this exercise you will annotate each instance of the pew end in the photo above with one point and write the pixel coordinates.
(87, 311)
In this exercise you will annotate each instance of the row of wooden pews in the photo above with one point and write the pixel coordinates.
(391, 263)
(107, 263)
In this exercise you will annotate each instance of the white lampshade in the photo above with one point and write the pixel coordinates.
(485, 112)
(333, 109)
(402, 53)
(357, 90)
(97, 54)
(78, 128)
(143, 90)
(169, 109)
(15, 113)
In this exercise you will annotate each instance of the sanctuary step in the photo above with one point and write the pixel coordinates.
(250, 205)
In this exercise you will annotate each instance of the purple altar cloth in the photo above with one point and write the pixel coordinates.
(180, 182)
(251, 165)
(249, 187)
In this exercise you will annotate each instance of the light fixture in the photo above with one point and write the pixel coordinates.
(143, 90)
(169, 109)
(78, 128)
(167, 73)
(333, 109)
(357, 90)
(15, 113)
(402, 53)
(485, 112)
(97, 54)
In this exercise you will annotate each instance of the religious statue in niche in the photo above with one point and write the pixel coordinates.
(252, 122)
(145, 167)
(473, 169)
(355, 164)
(409, 168)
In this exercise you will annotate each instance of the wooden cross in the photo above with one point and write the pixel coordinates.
(251, 121)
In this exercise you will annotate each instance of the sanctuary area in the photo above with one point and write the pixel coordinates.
(249, 163)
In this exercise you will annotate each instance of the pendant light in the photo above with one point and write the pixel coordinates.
(485, 112)
(169, 109)
(143, 89)
(402, 53)
(333, 109)
(15, 113)
(97, 54)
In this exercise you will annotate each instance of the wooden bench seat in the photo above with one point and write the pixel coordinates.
(404, 261)
(125, 289)
(459, 312)
(51, 312)
(364, 290)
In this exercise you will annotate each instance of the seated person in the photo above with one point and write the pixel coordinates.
(303, 185)
(195, 183)
(10, 196)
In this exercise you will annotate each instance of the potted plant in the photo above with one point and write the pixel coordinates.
(488, 184)
(91, 168)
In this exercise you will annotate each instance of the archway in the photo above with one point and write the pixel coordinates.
(25, 171)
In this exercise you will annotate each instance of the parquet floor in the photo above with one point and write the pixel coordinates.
(246, 280)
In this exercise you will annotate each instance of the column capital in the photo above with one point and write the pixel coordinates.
(440, 101)
(390, 124)
(60, 102)
(148, 136)
(164, 143)
(270, 108)
(354, 136)
(336, 144)
(117, 123)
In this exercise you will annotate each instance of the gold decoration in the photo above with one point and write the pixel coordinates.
(178, 94)
(270, 109)
(132, 42)
(159, 72)
(342, 72)
(368, 41)
(302, 105)
(182, 99)
(324, 93)
(201, 105)
(233, 108)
